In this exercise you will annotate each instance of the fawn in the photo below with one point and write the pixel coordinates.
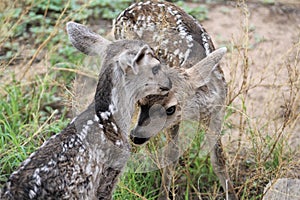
(180, 42)
(85, 159)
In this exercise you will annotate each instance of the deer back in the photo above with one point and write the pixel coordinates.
(176, 37)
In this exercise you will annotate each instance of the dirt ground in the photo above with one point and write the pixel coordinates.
(274, 36)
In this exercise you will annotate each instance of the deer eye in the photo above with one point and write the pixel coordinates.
(171, 110)
(156, 69)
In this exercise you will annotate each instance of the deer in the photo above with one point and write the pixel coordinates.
(85, 159)
(180, 42)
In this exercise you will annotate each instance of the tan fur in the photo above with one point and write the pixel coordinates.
(199, 91)
(85, 159)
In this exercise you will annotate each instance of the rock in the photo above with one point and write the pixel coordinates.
(284, 188)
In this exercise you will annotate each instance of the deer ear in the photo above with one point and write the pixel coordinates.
(129, 61)
(85, 40)
(200, 73)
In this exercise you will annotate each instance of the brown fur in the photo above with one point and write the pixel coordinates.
(85, 159)
(173, 33)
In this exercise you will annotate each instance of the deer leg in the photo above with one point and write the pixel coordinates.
(217, 156)
(171, 154)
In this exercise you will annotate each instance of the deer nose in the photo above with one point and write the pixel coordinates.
(138, 137)
(138, 140)
(166, 86)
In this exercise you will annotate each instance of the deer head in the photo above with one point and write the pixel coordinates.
(181, 103)
(129, 71)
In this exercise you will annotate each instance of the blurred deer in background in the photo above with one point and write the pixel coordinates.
(180, 42)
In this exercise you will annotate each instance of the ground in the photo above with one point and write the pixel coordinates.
(270, 92)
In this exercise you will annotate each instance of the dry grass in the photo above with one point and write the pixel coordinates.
(263, 100)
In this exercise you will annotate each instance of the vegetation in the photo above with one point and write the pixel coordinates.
(38, 68)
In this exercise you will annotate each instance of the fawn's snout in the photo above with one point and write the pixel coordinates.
(138, 140)
(166, 86)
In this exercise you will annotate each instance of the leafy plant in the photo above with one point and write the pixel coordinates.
(199, 12)
(270, 2)
(108, 9)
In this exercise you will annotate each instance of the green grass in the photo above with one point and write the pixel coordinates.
(27, 120)
(38, 68)
(35, 104)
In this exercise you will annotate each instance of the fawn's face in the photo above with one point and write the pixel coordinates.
(139, 72)
(156, 113)
(159, 112)
(143, 72)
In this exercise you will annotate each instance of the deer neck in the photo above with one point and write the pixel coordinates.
(114, 101)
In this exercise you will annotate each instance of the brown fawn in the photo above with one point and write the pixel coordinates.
(180, 42)
(85, 159)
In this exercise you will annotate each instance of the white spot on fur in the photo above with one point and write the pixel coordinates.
(35, 188)
(149, 18)
(105, 115)
(178, 17)
(32, 194)
(130, 11)
(90, 122)
(207, 49)
(89, 168)
(114, 127)
(189, 38)
(37, 177)
(96, 118)
(45, 169)
(205, 39)
(102, 137)
(186, 55)
(118, 143)
(51, 163)
(84, 131)
(81, 150)
(170, 10)
(62, 158)
(132, 6)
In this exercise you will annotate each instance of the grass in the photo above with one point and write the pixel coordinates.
(38, 68)
(27, 118)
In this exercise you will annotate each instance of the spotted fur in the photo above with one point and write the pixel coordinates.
(180, 41)
(85, 159)
(176, 37)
